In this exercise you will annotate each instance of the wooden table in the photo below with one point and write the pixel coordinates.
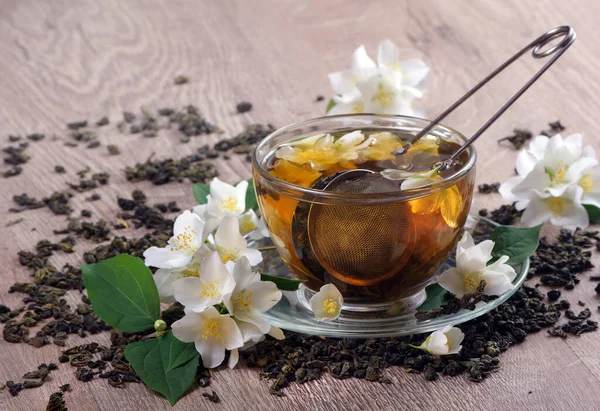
(65, 61)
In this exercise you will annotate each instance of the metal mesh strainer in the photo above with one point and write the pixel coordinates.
(361, 244)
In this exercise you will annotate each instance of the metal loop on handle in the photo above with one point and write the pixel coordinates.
(568, 35)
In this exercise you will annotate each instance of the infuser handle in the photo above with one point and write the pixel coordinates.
(568, 35)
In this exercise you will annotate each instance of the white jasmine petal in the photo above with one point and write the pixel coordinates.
(342, 82)
(212, 352)
(226, 199)
(362, 65)
(506, 188)
(231, 245)
(537, 148)
(188, 237)
(471, 268)
(420, 179)
(555, 179)
(351, 139)
(211, 332)
(452, 280)
(164, 282)
(253, 255)
(251, 297)
(165, 258)
(454, 336)
(250, 332)
(537, 180)
(387, 54)
(444, 342)
(496, 283)
(590, 184)
(500, 266)
(327, 303)
(261, 230)
(580, 167)
(414, 72)
(324, 152)
(472, 260)
(234, 357)
(536, 213)
(526, 161)
(199, 293)
(276, 333)
(465, 242)
(564, 211)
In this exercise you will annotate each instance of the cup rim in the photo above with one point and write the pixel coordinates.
(324, 196)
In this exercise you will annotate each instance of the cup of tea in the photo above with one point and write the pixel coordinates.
(343, 208)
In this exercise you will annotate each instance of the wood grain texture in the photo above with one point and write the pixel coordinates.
(66, 60)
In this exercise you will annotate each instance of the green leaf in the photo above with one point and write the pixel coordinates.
(436, 296)
(330, 105)
(123, 292)
(166, 365)
(515, 242)
(201, 191)
(251, 200)
(593, 213)
(284, 284)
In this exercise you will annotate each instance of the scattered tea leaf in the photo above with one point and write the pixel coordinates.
(123, 292)
(284, 284)
(165, 364)
(56, 402)
(515, 242)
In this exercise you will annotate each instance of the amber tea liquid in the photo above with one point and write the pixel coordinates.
(374, 253)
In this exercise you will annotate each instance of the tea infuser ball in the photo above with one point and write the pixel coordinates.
(359, 244)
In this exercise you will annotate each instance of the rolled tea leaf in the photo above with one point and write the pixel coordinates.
(515, 242)
(123, 292)
(165, 364)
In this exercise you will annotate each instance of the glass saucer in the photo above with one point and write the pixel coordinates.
(293, 314)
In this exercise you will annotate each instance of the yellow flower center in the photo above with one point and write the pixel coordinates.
(472, 281)
(229, 204)
(561, 172)
(192, 271)
(396, 67)
(228, 254)
(185, 241)
(211, 290)
(383, 96)
(248, 225)
(448, 342)
(587, 182)
(210, 329)
(358, 107)
(556, 205)
(330, 306)
(243, 300)
(558, 175)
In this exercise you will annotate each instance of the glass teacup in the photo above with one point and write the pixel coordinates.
(378, 243)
